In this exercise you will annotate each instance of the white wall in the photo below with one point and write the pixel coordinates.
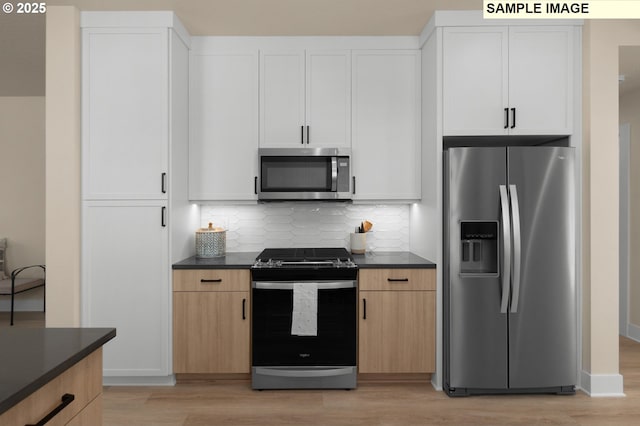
(22, 189)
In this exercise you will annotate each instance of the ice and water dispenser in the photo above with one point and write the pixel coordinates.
(479, 247)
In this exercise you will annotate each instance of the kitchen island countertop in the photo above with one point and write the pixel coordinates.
(244, 260)
(31, 357)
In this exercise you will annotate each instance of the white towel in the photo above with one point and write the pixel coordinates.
(304, 318)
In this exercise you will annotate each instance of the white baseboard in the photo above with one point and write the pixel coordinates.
(602, 385)
(633, 332)
(139, 380)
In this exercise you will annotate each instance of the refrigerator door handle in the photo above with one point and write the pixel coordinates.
(506, 238)
(517, 252)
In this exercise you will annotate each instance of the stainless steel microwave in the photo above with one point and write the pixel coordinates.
(304, 174)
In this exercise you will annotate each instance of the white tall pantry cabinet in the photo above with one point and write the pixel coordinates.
(134, 184)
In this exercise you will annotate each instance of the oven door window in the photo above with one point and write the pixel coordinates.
(295, 174)
(274, 345)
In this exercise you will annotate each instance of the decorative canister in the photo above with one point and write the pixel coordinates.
(211, 242)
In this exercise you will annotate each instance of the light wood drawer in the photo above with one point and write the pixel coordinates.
(83, 381)
(90, 416)
(397, 279)
(211, 280)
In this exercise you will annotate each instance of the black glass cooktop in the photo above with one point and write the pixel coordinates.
(304, 254)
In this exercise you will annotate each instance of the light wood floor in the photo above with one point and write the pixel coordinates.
(234, 403)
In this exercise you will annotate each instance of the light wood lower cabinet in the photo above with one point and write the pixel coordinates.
(211, 321)
(83, 381)
(397, 321)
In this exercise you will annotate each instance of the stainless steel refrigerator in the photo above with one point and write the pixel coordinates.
(510, 270)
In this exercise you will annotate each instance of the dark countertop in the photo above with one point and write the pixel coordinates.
(31, 357)
(232, 260)
(391, 259)
(244, 260)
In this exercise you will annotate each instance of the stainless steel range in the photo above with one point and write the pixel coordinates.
(304, 319)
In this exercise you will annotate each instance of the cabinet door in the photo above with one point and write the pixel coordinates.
(328, 95)
(475, 81)
(282, 99)
(540, 79)
(125, 113)
(386, 124)
(223, 144)
(125, 283)
(397, 332)
(211, 332)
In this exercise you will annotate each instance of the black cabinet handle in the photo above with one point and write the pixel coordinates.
(302, 135)
(255, 185)
(506, 118)
(163, 183)
(392, 280)
(163, 220)
(66, 399)
(354, 184)
(217, 280)
(308, 136)
(244, 311)
(364, 309)
(513, 115)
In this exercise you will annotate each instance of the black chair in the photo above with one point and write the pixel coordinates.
(14, 284)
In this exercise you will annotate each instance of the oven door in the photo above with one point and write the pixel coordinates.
(335, 341)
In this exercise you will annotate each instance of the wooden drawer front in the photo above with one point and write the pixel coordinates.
(211, 280)
(83, 380)
(397, 279)
(90, 416)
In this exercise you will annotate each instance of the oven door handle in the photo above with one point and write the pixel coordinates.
(320, 372)
(333, 285)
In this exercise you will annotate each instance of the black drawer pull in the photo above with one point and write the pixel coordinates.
(393, 280)
(513, 110)
(244, 310)
(364, 309)
(66, 399)
(217, 280)
(163, 183)
(506, 118)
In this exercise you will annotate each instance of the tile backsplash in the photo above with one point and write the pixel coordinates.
(308, 224)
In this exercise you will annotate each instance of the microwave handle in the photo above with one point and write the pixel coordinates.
(334, 174)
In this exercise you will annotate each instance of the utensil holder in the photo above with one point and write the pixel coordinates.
(358, 242)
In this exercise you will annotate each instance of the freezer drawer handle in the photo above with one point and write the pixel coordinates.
(517, 253)
(506, 235)
(66, 399)
(394, 280)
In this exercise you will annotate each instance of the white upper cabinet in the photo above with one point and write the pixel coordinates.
(125, 106)
(223, 142)
(305, 98)
(386, 124)
(541, 74)
(503, 80)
